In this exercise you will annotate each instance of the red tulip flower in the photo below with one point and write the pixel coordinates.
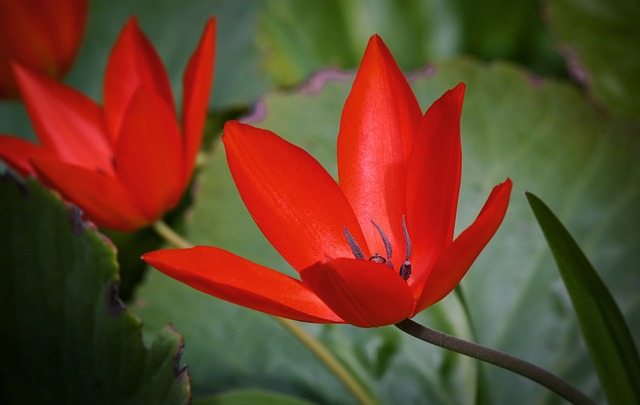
(127, 163)
(377, 248)
(44, 35)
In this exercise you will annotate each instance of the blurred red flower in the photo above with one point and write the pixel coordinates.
(127, 163)
(43, 35)
(372, 251)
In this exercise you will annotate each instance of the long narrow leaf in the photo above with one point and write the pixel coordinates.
(604, 329)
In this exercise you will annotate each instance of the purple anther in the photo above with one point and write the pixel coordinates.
(405, 270)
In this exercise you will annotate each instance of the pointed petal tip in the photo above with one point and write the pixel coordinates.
(152, 257)
(375, 39)
(501, 192)
(503, 188)
(376, 45)
(456, 94)
(233, 126)
(132, 22)
(211, 25)
(130, 28)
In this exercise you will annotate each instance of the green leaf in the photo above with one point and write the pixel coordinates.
(600, 41)
(67, 337)
(298, 38)
(252, 397)
(603, 327)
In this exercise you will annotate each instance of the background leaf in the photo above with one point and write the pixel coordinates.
(603, 327)
(299, 37)
(252, 397)
(600, 40)
(67, 336)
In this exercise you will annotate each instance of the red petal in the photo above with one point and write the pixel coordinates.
(196, 87)
(17, 153)
(460, 255)
(434, 177)
(66, 121)
(295, 202)
(379, 122)
(25, 39)
(133, 63)
(361, 292)
(235, 279)
(103, 200)
(68, 19)
(148, 156)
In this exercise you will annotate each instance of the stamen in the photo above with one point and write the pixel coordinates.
(405, 270)
(387, 244)
(407, 242)
(357, 252)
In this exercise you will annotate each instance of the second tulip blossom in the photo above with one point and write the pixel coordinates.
(376, 248)
(127, 163)
(44, 35)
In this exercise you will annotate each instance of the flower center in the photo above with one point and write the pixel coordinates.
(405, 268)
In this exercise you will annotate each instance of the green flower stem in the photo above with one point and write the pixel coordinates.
(314, 345)
(168, 234)
(500, 359)
(328, 359)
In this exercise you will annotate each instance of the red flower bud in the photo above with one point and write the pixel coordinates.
(127, 163)
(42, 35)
